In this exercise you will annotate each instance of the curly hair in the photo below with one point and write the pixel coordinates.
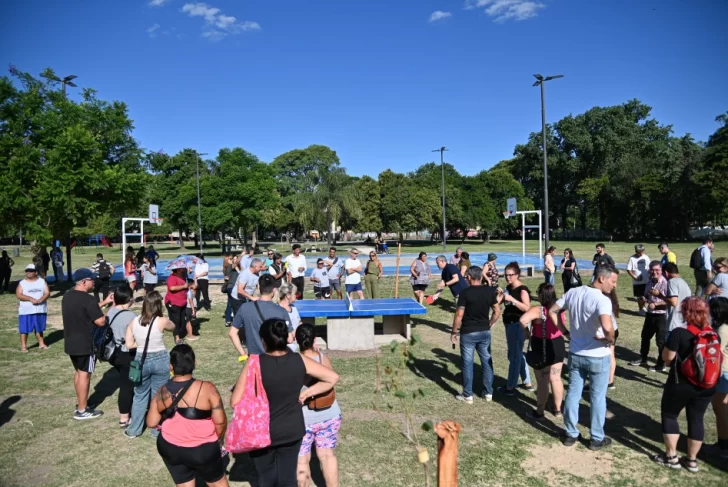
(695, 312)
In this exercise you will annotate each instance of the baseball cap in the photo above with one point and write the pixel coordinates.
(83, 273)
(30, 268)
(319, 261)
(492, 257)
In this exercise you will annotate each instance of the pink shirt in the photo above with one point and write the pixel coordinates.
(188, 433)
(552, 331)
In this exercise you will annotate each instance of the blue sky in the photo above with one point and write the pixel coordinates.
(382, 82)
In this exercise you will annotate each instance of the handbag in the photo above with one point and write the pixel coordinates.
(135, 366)
(250, 427)
(538, 361)
(575, 277)
(322, 401)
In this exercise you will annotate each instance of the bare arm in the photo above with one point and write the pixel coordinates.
(668, 355)
(165, 324)
(154, 415)
(130, 341)
(235, 338)
(412, 269)
(496, 314)
(327, 379)
(532, 314)
(218, 410)
(239, 389)
(555, 317)
(608, 327)
(457, 320)
(711, 289)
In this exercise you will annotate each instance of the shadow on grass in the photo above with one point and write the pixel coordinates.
(434, 324)
(105, 387)
(243, 470)
(6, 414)
(53, 337)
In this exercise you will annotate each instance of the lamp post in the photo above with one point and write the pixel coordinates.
(199, 210)
(540, 80)
(442, 151)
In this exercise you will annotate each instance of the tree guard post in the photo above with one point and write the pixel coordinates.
(447, 453)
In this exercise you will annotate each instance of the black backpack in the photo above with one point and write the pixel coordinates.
(104, 271)
(696, 259)
(105, 347)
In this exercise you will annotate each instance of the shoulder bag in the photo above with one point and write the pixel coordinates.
(322, 401)
(538, 360)
(575, 277)
(249, 428)
(135, 366)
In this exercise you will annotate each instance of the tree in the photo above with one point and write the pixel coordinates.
(714, 170)
(370, 203)
(406, 207)
(430, 176)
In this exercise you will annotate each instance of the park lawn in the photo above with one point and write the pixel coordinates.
(42, 446)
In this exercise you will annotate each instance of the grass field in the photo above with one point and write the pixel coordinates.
(41, 445)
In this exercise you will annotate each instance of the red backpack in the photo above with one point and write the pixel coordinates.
(703, 366)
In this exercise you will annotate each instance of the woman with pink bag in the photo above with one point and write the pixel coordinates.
(282, 373)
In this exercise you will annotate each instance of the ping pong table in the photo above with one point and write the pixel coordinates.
(350, 323)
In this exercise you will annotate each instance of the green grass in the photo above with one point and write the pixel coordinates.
(42, 446)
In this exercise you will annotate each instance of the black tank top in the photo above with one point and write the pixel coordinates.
(283, 378)
(187, 412)
(511, 314)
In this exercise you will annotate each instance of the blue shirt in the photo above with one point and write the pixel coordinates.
(705, 257)
(448, 272)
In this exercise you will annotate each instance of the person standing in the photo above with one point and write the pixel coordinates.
(352, 268)
(6, 270)
(277, 269)
(81, 313)
(719, 285)
(668, 257)
(103, 270)
(150, 278)
(130, 270)
(246, 285)
(655, 324)
(152, 254)
(287, 301)
(568, 271)
(296, 266)
(202, 270)
(32, 293)
(246, 258)
(372, 273)
(601, 258)
(420, 274)
(57, 259)
(549, 267)
(517, 300)
(450, 277)
(677, 291)
(490, 272)
(464, 264)
(320, 279)
(269, 259)
(176, 302)
(592, 331)
(637, 268)
(455, 259)
(702, 264)
(46, 260)
(119, 317)
(334, 265)
(231, 278)
(472, 323)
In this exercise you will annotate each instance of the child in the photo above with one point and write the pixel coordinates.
(191, 311)
(320, 279)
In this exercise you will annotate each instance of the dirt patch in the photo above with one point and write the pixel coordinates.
(549, 461)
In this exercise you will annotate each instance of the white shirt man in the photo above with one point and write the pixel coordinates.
(353, 269)
(335, 266)
(638, 269)
(296, 266)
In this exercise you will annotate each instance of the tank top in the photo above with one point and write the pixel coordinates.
(372, 268)
(314, 417)
(511, 314)
(156, 337)
(283, 377)
(34, 289)
(423, 276)
(552, 331)
(189, 427)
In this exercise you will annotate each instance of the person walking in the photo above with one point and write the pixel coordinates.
(6, 270)
(322, 425)
(719, 284)
(320, 279)
(601, 258)
(549, 267)
(548, 346)
(490, 272)
(191, 420)
(569, 273)
(81, 313)
(150, 278)
(701, 262)
(32, 293)
(283, 374)
(334, 266)
(202, 280)
(246, 285)
(719, 316)
(103, 270)
(146, 335)
(591, 332)
(231, 278)
(477, 312)
(450, 277)
(352, 268)
(119, 316)
(57, 260)
(637, 268)
(655, 324)
(679, 393)
(372, 274)
(420, 274)
(517, 300)
(176, 302)
(464, 264)
(677, 291)
(296, 268)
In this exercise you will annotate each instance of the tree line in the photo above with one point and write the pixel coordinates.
(74, 169)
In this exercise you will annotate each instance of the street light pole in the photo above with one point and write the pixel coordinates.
(442, 151)
(540, 82)
(199, 210)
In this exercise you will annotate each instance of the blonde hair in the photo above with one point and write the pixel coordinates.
(286, 289)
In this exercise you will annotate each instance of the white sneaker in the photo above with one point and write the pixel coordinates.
(465, 399)
(643, 312)
(488, 397)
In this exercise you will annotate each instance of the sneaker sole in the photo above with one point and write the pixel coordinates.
(80, 418)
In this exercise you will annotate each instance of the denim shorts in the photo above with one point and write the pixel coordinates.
(351, 288)
(722, 384)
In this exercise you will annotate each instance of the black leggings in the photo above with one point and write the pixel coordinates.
(148, 288)
(277, 465)
(202, 288)
(101, 286)
(299, 282)
(126, 387)
(178, 316)
(184, 463)
(695, 401)
(655, 326)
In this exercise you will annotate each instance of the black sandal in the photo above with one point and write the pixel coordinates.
(665, 461)
(690, 465)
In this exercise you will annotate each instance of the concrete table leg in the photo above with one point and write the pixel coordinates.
(396, 325)
(350, 333)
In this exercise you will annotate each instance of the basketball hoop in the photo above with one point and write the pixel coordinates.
(157, 221)
(506, 214)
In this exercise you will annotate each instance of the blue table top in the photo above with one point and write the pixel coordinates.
(361, 307)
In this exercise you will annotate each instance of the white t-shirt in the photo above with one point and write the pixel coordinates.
(335, 270)
(323, 277)
(585, 306)
(33, 289)
(676, 287)
(293, 263)
(245, 262)
(640, 267)
(355, 277)
(201, 267)
(721, 282)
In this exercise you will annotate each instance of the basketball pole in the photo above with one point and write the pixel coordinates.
(396, 274)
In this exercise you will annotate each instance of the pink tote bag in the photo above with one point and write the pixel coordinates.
(250, 427)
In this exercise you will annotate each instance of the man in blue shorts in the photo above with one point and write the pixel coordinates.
(32, 292)
(353, 270)
(334, 265)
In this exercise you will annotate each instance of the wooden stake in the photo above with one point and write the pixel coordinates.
(447, 453)
(396, 274)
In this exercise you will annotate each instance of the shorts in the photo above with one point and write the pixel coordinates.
(351, 288)
(188, 315)
(84, 363)
(555, 349)
(324, 435)
(419, 287)
(722, 384)
(148, 288)
(638, 290)
(28, 324)
(184, 463)
(335, 284)
(130, 279)
(322, 292)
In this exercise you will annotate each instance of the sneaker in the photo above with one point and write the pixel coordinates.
(663, 369)
(487, 397)
(87, 413)
(611, 386)
(533, 414)
(228, 324)
(637, 363)
(528, 387)
(506, 391)
(567, 440)
(643, 312)
(131, 437)
(465, 399)
(598, 445)
(651, 368)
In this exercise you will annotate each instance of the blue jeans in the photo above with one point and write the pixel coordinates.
(597, 370)
(549, 278)
(480, 341)
(516, 360)
(155, 373)
(229, 310)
